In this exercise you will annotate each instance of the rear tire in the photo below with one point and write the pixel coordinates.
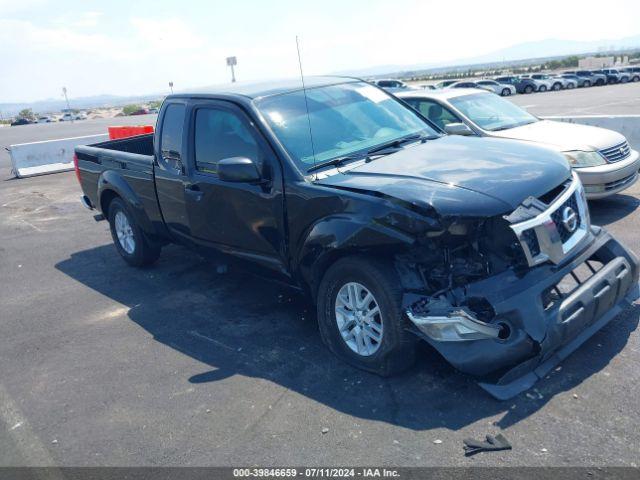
(543, 88)
(396, 348)
(128, 238)
(506, 92)
(587, 83)
(528, 89)
(556, 86)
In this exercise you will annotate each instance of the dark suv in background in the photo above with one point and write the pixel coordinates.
(523, 85)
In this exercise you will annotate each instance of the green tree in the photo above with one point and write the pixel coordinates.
(27, 114)
(129, 109)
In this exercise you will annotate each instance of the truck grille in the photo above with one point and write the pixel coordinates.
(556, 216)
(617, 152)
(555, 232)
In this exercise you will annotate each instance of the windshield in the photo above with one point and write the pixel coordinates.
(491, 112)
(345, 119)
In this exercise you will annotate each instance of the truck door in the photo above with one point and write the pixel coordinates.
(243, 219)
(170, 173)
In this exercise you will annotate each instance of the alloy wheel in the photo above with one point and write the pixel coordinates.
(125, 233)
(359, 319)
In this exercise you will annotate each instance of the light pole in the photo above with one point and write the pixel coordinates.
(171, 87)
(232, 62)
(64, 92)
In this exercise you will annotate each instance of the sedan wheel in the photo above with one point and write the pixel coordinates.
(506, 92)
(543, 88)
(359, 319)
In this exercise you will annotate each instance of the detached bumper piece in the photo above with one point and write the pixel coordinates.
(537, 319)
(492, 444)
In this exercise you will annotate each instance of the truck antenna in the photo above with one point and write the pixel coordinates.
(306, 102)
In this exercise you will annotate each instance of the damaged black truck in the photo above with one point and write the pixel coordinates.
(398, 232)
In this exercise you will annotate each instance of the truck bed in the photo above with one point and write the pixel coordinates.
(140, 144)
(129, 161)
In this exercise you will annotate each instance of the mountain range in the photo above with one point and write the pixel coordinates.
(548, 48)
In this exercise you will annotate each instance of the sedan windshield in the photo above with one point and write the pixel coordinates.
(492, 113)
(345, 119)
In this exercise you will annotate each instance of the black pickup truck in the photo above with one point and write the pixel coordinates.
(398, 232)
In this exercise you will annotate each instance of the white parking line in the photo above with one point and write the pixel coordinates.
(25, 440)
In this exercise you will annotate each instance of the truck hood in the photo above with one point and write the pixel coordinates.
(564, 136)
(461, 176)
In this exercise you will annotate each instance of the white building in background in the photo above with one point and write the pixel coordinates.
(595, 63)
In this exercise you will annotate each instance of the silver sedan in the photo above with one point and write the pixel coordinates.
(603, 159)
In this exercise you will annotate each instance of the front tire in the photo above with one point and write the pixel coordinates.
(528, 89)
(128, 238)
(557, 86)
(543, 88)
(506, 92)
(360, 316)
(586, 83)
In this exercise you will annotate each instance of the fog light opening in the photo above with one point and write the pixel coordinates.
(505, 331)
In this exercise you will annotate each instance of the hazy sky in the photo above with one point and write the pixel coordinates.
(137, 46)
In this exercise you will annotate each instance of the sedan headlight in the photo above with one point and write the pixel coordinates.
(578, 158)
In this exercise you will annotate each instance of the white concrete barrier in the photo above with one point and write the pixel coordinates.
(627, 125)
(49, 156)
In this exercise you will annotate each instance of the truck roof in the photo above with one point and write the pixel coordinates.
(265, 89)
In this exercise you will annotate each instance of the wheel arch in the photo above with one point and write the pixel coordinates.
(333, 238)
(111, 185)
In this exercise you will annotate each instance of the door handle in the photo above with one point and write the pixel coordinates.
(194, 191)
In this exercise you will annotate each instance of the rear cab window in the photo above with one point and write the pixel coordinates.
(171, 135)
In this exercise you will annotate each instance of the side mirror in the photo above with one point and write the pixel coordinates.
(458, 129)
(239, 170)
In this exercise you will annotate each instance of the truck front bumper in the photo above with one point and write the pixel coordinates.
(539, 326)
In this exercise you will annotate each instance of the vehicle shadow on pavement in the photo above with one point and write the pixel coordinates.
(611, 209)
(239, 324)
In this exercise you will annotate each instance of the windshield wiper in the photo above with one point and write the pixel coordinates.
(395, 144)
(335, 161)
(392, 147)
(515, 125)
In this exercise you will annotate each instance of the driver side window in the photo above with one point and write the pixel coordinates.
(221, 134)
(435, 112)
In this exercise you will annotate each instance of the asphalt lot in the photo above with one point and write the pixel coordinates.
(608, 100)
(103, 364)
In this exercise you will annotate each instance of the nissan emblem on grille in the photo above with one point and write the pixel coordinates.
(554, 232)
(569, 219)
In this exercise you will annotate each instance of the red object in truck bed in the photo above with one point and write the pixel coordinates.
(129, 131)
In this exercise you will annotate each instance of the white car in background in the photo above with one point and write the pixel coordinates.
(502, 89)
(602, 158)
(45, 119)
(558, 82)
(544, 84)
